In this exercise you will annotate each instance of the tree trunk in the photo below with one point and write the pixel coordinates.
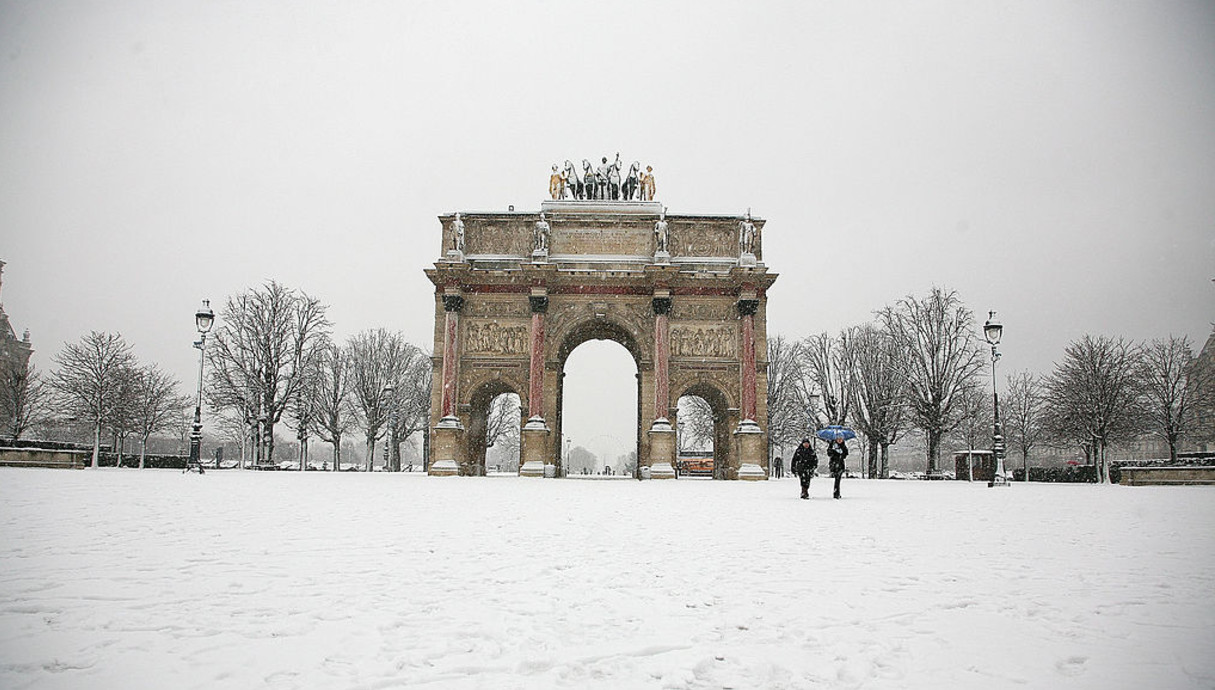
(872, 452)
(426, 449)
(1102, 470)
(1025, 464)
(96, 443)
(370, 452)
(884, 471)
(143, 451)
(934, 451)
(337, 452)
(269, 442)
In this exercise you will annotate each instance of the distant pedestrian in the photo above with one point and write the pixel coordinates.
(837, 450)
(804, 463)
(780, 468)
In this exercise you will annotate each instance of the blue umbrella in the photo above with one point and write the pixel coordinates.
(835, 432)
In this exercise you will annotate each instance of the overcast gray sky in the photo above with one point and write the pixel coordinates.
(1054, 161)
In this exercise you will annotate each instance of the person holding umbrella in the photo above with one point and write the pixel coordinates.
(804, 462)
(837, 450)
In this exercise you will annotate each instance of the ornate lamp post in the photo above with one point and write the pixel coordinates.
(389, 465)
(204, 318)
(992, 331)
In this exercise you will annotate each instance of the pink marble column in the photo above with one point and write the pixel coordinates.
(746, 310)
(535, 389)
(451, 325)
(662, 353)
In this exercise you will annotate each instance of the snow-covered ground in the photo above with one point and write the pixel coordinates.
(155, 579)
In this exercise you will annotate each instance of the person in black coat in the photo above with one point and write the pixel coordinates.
(836, 452)
(805, 461)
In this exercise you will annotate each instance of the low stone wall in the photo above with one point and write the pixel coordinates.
(1140, 476)
(37, 457)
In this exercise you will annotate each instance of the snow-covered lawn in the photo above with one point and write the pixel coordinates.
(155, 579)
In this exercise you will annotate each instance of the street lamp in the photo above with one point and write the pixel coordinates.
(993, 330)
(387, 393)
(204, 318)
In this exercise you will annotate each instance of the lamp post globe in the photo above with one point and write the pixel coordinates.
(204, 319)
(993, 330)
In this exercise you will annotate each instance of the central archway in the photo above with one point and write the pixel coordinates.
(612, 428)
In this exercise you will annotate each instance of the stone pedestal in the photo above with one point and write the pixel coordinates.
(455, 256)
(662, 450)
(445, 448)
(533, 448)
(747, 260)
(662, 258)
(751, 453)
(540, 256)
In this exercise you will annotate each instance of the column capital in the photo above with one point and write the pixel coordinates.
(747, 307)
(539, 303)
(661, 305)
(453, 303)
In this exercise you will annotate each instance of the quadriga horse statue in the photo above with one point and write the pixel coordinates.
(613, 180)
(632, 182)
(590, 180)
(573, 182)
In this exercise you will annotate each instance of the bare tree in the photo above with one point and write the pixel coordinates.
(23, 397)
(974, 428)
(789, 418)
(378, 361)
(878, 390)
(1091, 395)
(413, 404)
(122, 419)
(938, 335)
(1022, 410)
(157, 403)
(828, 366)
(694, 423)
(502, 423)
(89, 379)
(331, 400)
(1172, 389)
(262, 351)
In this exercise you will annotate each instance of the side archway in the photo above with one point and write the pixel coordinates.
(725, 417)
(479, 403)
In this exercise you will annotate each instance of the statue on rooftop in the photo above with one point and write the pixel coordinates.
(661, 232)
(540, 235)
(556, 184)
(457, 233)
(746, 235)
(647, 184)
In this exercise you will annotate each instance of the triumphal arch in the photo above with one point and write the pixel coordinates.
(517, 291)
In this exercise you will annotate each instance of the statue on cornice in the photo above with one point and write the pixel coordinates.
(746, 235)
(661, 232)
(457, 233)
(540, 235)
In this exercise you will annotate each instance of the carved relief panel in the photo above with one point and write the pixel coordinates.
(491, 337)
(718, 342)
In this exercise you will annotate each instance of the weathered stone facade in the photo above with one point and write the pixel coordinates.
(14, 357)
(517, 292)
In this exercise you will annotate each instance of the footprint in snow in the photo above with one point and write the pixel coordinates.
(1071, 666)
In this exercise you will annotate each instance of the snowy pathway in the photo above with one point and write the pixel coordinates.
(154, 579)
